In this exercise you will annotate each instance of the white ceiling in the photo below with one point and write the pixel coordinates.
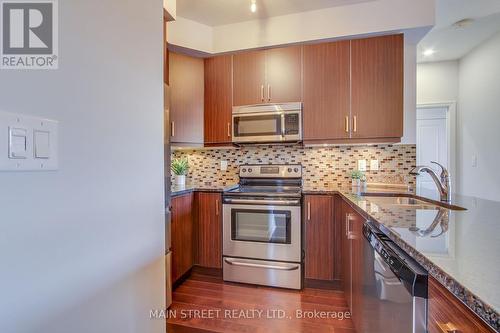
(449, 42)
(221, 12)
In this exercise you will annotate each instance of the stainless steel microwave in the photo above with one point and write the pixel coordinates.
(267, 123)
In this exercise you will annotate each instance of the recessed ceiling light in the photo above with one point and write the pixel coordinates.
(428, 52)
(253, 6)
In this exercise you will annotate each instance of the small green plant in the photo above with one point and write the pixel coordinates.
(356, 174)
(180, 166)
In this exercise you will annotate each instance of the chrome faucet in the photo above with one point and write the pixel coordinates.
(442, 218)
(443, 182)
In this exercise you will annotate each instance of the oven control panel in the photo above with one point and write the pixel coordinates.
(271, 171)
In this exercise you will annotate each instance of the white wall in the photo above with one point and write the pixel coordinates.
(81, 249)
(478, 121)
(190, 34)
(340, 21)
(357, 19)
(410, 110)
(437, 82)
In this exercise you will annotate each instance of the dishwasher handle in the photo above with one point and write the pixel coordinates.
(407, 270)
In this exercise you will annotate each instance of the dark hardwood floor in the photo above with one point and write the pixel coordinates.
(207, 304)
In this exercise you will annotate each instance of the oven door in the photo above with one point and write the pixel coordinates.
(262, 231)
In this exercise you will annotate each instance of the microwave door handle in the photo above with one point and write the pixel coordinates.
(283, 125)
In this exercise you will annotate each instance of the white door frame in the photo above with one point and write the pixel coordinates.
(451, 126)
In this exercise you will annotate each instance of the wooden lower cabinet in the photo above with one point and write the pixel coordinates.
(448, 314)
(319, 237)
(352, 259)
(209, 227)
(182, 235)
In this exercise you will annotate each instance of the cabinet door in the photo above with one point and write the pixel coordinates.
(284, 75)
(356, 238)
(182, 235)
(209, 230)
(249, 76)
(218, 100)
(319, 227)
(377, 87)
(186, 102)
(448, 314)
(326, 91)
(346, 254)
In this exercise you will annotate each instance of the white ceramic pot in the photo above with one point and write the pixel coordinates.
(180, 180)
(356, 182)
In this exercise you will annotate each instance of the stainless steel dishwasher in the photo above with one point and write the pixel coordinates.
(394, 287)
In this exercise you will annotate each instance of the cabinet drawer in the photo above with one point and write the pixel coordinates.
(448, 314)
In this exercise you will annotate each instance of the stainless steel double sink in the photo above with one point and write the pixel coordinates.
(407, 201)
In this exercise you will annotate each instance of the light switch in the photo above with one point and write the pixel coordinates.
(30, 143)
(42, 144)
(223, 165)
(18, 143)
(374, 165)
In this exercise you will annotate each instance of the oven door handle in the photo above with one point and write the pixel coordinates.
(262, 202)
(246, 264)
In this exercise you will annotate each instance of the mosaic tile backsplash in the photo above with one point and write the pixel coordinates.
(322, 166)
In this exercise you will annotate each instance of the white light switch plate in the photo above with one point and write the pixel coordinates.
(223, 165)
(362, 165)
(46, 158)
(374, 165)
(474, 161)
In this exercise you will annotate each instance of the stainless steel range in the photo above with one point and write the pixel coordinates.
(262, 227)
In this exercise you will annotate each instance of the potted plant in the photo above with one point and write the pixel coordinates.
(357, 177)
(180, 168)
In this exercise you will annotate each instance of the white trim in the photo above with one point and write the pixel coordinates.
(451, 130)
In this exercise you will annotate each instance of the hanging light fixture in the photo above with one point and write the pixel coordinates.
(253, 6)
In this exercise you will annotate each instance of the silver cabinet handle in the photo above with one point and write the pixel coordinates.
(347, 124)
(217, 207)
(172, 128)
(346, 224)
(269, 92)
(355, 123)
(229, 130)
(309, 211)
(247, 264)
(262, 92)
(349, 233)
(261, 202)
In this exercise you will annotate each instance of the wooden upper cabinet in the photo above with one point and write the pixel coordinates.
(218, 100)
(209, 229)
(284, 75)
(319, 228)
(326, 91)
(249, 77)
(187, 99)
(377, 87)
(270, 76)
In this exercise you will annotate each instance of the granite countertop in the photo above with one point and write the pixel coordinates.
(177, 190)
(461, 252)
